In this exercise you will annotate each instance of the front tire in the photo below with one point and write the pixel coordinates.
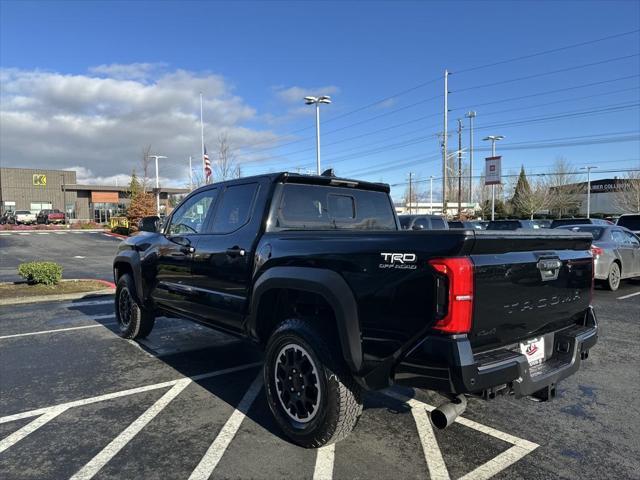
(134, 320)
(613, 279)
(309, 388)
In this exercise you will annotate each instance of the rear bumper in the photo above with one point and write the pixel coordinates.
(447, 364)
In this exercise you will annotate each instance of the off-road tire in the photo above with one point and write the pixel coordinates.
(134, 320)
(613, 279)
(340, 403)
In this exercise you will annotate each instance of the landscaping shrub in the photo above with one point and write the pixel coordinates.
(47, 273)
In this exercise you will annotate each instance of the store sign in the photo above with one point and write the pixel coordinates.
(493, 171)
(39, 180)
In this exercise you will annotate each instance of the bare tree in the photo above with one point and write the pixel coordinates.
(145, 164)
(564, 187)
(627, 196)
(225, 166)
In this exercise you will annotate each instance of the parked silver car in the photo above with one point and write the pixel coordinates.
(616, 251)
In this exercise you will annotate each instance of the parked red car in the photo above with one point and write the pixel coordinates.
(50, 216)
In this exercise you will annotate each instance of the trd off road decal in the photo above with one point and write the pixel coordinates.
(399, 261)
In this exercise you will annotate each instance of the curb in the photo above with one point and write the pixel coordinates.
(92, 230)
(56, 298)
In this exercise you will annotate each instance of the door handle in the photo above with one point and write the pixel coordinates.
(236, 252)
(187, 250)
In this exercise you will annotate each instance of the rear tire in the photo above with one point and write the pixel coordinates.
(309, 388)
(134, 320)
(613, 279)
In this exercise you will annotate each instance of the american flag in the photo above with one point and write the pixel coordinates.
(207, 164)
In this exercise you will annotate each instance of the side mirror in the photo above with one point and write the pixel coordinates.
(149, 224)
(417, 227)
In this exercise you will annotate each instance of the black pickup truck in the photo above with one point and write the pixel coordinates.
(317, 271)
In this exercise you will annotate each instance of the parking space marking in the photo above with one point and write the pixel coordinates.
(42, 233)
(30, 427)
(57, 330)
(4, 234)
(324, 463)
(24, 233)
(216, 450)
(107, 453)
(88, 303)
(624, 297)
(520, 447)
(432, 454)
(122, 393)
(60, 233)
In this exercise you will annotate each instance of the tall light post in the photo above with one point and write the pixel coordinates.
(588, 168)
(157, 182)
(317, 101)
(493, 139)
(470, 115)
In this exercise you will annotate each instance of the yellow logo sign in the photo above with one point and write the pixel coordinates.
(39, 179)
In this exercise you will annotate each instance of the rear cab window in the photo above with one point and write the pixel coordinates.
(632, 222)
(321, 207)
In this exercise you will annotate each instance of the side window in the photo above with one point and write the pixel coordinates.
(632, 239)
(422, 224)
(618, 237)
(437, 223)
(235, 208)
(191, 216)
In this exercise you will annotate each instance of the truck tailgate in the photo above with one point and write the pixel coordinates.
(527, 284)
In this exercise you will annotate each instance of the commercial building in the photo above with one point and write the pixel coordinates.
(606, 196)
(39, 189)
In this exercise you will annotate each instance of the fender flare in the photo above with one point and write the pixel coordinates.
(329, 285)
(132, 259)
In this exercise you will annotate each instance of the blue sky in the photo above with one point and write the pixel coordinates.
(262, 54)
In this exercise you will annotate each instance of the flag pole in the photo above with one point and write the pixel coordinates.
(202, 139)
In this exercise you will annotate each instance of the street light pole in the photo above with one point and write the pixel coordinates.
(317, 101)
(157, 183)
(493, 139)
(471, 115)
(588, 169)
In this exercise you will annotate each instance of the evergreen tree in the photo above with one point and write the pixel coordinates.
(521, 192)
(134, 185)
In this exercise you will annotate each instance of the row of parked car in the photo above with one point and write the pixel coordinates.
(25, 217)
(615, 247)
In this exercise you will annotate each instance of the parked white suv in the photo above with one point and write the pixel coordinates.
(25, 217)
(630, 221)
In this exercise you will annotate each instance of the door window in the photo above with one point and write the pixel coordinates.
(632, 239)
(618, 237)
(235, 208)
(191, 216)
(422, 224)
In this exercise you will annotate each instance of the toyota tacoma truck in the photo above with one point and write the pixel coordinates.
(316, 270)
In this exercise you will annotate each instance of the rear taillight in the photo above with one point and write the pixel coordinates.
(596, 251)
(458, 271)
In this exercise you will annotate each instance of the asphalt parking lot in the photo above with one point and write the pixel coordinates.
(82, 254)
(80, 402)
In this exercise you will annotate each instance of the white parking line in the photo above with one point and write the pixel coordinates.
(122, 393)
(101, 459)
(324, 463)
(30, 427)
(433, 456)
(4, 234)
(24, 233)
(60, 233)
(57, 330)
(88, 303)
(215, 452)
(624, 297)
(43, 233)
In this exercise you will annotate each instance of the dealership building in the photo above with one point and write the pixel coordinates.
(38, 189)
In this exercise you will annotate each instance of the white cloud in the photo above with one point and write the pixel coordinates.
(296, 94)
(54, 120)
(131, 71)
